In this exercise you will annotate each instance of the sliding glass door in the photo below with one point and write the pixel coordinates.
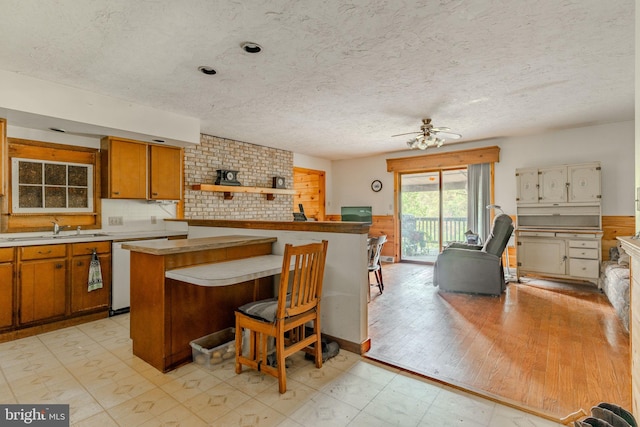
(433, 212)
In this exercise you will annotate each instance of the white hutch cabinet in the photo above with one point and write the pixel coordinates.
(559, 184)
(559, 221)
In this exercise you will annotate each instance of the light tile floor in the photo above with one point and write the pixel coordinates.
(91, 367)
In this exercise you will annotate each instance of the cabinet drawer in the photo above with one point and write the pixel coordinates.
(6, 254)
(536, 234)
(577, 235)
(44, 251)
(584, 268)
(88, 248)
(583, 253)
(583, 244)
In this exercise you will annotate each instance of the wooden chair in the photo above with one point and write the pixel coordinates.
(375, 266)
(284, 318)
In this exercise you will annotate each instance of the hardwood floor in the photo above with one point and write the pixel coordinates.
(548, 348)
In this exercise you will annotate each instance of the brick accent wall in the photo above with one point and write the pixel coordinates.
(256, 165)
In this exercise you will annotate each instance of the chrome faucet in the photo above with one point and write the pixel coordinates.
(57, 228)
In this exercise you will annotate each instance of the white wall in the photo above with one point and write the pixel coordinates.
(52, 137)
(611, 144)
(26, 100)
(352, 185)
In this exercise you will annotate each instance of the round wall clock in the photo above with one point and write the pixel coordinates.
(376, 185)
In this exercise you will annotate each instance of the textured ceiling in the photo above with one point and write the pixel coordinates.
(337, 78)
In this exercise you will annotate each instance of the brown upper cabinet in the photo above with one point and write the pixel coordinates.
(166, 173)
(138, 170)
(124, 169)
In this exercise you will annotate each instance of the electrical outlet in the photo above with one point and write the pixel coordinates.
(153, 219)
(115, 220)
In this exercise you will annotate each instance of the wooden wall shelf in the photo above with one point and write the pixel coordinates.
(228, 190)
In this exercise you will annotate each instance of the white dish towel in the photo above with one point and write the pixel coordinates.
(95, 273)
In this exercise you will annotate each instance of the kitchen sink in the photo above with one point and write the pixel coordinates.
(73, 236)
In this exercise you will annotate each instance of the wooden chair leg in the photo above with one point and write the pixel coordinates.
(318, 345)
(282, 368)
(238, 348)
(264, 341)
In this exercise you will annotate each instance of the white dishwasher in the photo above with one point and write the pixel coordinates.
(120, 276)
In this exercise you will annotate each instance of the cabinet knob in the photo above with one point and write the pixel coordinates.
(80, 263)
(58, 266)
(44, 253)
(155, 194)
(116, 193)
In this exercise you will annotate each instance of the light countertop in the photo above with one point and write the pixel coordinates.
(228, 272)
(169, 247)
(86, 236)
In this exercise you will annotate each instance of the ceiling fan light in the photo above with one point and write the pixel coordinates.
(429, 136)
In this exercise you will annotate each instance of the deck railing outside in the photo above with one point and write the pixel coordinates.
(420, 234)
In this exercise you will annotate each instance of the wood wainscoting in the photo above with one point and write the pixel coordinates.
(382, 224)
(613, 226)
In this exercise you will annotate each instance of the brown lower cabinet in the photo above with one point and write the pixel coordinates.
(6, 287)
(81, 298)
(45, 287)
(42, 283)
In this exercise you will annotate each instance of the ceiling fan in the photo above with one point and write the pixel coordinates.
(429, 136)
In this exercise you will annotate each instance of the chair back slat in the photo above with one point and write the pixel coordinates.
(303, 283)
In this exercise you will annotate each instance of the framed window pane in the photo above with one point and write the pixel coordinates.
(55, 174)
(78, 198)
(30, 173)
(30, 196)
(78, 176)
(55, 197)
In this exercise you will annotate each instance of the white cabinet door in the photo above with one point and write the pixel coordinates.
(527, 185)
(542, 255)
(584, 183)
(553, 184)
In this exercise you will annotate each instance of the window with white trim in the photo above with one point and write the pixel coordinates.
(49, 186)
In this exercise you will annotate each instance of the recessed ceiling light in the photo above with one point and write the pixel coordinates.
(158, 140)
(58, 130)
(207, 70)
(251, 47)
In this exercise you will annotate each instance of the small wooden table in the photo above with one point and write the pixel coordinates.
(168, 309)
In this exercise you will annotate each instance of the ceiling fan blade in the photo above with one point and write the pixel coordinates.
(449, 135)
(441, 129)
(408, 133)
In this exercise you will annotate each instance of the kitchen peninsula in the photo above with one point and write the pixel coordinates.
(166, 313)
(346, 283)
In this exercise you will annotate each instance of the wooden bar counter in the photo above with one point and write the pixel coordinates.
(166, 314)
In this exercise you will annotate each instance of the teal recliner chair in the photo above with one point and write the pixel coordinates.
(475, 269)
